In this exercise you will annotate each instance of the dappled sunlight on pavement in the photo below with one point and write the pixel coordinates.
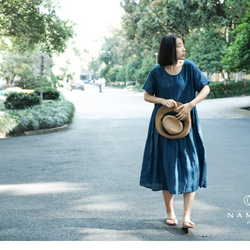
(100, 203)
(39, 188)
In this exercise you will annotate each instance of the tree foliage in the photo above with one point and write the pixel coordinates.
(27, 27)
(205, 24)
(146, 22)
(206, 48)
(28, 23)
(19, 68)
(238, 54)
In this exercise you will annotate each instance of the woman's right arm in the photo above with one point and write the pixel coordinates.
(170, 103)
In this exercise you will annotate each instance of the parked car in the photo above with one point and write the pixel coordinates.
(77, 84)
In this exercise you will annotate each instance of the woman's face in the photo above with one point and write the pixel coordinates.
(180, 49)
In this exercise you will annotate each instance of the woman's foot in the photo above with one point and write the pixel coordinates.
(168, 199)
(172, 221)
(187, 224)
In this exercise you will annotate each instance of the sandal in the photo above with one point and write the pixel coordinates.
(188, 224)
(172, 222)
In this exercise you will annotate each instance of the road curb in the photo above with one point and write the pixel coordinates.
(242, 111)
(46, 131)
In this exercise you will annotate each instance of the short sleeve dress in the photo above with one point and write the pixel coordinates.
(176, 165)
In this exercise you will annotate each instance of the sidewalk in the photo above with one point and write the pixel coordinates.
(224, 107)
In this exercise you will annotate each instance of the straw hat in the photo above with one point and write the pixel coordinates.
(169, 126)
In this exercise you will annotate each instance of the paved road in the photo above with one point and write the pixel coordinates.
(82, 184)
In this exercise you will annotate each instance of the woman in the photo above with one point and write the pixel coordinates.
(175, 166)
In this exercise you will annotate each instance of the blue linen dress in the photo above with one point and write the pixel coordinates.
(176, 165)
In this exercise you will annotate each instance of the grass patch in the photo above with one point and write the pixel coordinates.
(51, 114)
(7, 122)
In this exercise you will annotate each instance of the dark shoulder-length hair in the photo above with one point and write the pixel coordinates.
(167, 50)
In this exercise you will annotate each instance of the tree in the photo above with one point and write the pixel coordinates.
(206, 49)
(114, 55)
(19, 67)
(146, 22)
(16, 65)
(147, 64)
(134, 64)
(115, 49)
(235, 11)
(203, 23)
(28, 23)
(238, 54)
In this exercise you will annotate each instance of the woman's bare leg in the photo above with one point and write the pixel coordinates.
(169, 203)
(188, 204)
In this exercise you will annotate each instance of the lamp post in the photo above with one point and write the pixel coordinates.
(41, 79)
(42, 61)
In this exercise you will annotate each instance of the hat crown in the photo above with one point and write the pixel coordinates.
(172, 125)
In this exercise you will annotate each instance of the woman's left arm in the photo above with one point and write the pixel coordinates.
(187, 107)
(201, 96)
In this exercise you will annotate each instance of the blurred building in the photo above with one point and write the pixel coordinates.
(86, 75)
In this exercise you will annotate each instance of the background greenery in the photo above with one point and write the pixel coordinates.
(51, 114)
(27, 24)
(218, 90)
(216, 33)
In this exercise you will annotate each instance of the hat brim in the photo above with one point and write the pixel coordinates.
(158, 122)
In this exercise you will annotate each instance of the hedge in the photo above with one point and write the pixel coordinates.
(21, 100)
(219, 90)
(50, 114)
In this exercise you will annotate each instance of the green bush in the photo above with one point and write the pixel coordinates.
(32, 82)
(219, 90)
(51, 114)
(21, 100)
(49, 93)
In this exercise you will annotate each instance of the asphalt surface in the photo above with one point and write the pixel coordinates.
(82, 184)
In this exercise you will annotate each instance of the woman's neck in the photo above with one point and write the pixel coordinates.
(175, 68)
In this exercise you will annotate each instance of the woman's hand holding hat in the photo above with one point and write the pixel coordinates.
(169, 103)
(185, 110)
